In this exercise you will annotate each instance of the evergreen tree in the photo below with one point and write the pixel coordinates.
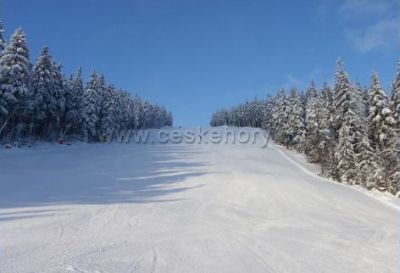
(90, 111)
(42, 87)
(295, 120)
(123, 110)
(378, 106)
(100, 87)
(108, 120)
(147, 115)
(137, 112)
(267, 113)
(318, 139)
(56, 106)
(368, 170)
(311, 92)
(351, 133)
(340, 107)
(74, 103)
(170, 120)
(359, 108)
(313, 123)
(3, 101)
(365, 97)
(57, 110)
(2, 40)
(15, 80)
(384, 137)
(280, 119)
(395, 101)
(345, 155)
(341, 93)
(47, 100)
(327, 129)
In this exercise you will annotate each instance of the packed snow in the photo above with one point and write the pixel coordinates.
(114, 208)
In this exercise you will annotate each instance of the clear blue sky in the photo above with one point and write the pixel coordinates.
(197, 56)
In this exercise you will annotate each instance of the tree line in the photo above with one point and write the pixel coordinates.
(40, 102)
(350, 131)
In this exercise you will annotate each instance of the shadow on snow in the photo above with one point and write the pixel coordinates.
(94, 174)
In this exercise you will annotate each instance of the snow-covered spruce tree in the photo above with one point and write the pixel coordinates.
(303, 99)
(365, 96)
(3, 102)
(124, 112)
(351, 133)
(137, 112)
(238, 117)
(229, 116)
(170, 119)
(378, 106)
(15, 82)
(366, 165)
(267, 113)
(245, 113)
(395, 101)
(384, 137)
(367, 168)
(100, 87)
(213, 119)
(219, 118)
(165, 114)
(327, 99)
(108, 111)
(255, 112)
(47, 100)
(3, 109)
(340, 96)
(90, 110)
(359, 107)
(147, 115)
(322, 119)
(341, 91)
(312, 124)
(296, 120)
(74, 98)
(165, 117)
(157, 112)
(328, 145)
(2, 40)
(129, 108)
(120, 115)
(310, 93)
(232, 116)
(158, 116)
(42, 87)
(318, 135)
(344, 153)
(280, 119)
(58, 110)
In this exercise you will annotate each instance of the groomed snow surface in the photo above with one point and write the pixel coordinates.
(184, 208)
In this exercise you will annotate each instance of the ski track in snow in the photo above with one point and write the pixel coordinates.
(93, 208)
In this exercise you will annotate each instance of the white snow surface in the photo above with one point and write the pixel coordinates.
(113, 208)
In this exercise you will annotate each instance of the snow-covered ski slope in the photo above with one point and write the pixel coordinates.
(184, 208)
